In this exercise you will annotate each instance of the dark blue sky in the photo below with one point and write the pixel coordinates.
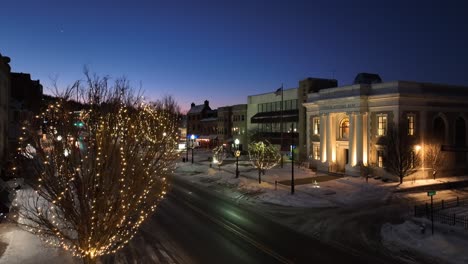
(225, 50)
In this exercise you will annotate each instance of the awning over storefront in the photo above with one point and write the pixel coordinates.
(275, 117)
(208, 137)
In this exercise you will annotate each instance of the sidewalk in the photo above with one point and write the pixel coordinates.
(22, 247)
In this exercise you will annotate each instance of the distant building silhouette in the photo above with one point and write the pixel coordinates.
(5, 70)
(25, 103)
(367, 78)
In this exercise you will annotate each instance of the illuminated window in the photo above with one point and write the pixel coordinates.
(316, 122)
(412, 157)
(382, 125)
(410, 119)
(380, 158)
(344, 128)
(317, 152)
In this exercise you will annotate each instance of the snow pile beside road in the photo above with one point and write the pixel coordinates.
(445, 245)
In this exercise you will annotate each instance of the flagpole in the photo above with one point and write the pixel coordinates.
(281, 126)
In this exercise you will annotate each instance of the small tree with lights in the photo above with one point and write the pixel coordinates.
(434, 157)
(101, 171)
(263, 156)
(401, 159)
(219, 155)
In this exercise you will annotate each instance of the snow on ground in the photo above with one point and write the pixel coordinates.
(449, 243)
(24, 247)
(331, 192)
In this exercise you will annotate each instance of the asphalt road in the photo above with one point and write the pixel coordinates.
(195, 225)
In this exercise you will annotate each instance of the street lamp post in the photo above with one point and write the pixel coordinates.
(186, 150)
(186, 147)
(192, 138)
(237, 142)
(292, 158)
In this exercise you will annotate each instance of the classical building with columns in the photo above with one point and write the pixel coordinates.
(348, 125)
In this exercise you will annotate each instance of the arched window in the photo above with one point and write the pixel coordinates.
(344, 128)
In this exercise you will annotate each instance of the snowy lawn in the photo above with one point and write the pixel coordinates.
(311, 189)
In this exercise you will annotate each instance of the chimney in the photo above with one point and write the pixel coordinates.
(207, 103)
(192, 105)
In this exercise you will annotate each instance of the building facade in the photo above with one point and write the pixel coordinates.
(350, 125)
(25, 103)
(224, 125)
(267, 120)
(202, 122)
(5, 82)
(232, 125)
(239, 125)
(284, 126)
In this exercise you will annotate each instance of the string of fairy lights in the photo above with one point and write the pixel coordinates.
(97, 182)
(263, 155)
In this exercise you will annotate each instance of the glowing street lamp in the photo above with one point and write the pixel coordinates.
(192, 138)
(237, 142)
(293, 130)
(417, 148)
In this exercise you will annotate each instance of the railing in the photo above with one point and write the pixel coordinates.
(444, 218)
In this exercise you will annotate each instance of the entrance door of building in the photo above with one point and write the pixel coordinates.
(342, 159)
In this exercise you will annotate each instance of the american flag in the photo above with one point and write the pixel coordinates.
(279, 91)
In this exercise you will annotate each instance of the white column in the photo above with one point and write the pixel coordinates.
(308, 135)
(323, 138)
(365, 138)
(359, 137)
(352, 139)
(330, 157)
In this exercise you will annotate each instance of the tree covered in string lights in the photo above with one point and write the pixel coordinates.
(101, 171)
(263, 156)
(219, 155)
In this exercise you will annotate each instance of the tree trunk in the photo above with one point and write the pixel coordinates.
(89, 260)
(401, 179)
(259, 176)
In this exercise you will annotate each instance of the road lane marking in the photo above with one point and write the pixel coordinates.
(253, 242)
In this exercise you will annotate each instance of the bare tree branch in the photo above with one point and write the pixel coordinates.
(101, 171)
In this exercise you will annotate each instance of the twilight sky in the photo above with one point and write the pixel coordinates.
(224, 51)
